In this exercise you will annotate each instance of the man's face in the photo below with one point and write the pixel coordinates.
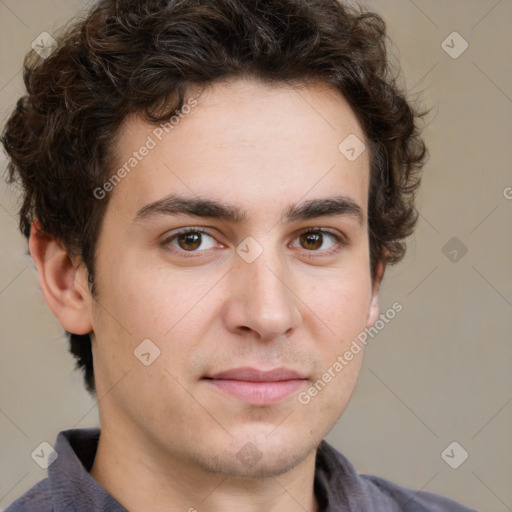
(285, 297)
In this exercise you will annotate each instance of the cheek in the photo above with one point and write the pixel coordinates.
(148, 300)
(343, 303)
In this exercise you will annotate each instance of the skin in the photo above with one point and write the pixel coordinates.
(169, 439)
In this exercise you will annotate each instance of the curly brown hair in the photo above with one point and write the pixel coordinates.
(133, 56)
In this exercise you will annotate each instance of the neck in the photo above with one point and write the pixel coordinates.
(144, 478)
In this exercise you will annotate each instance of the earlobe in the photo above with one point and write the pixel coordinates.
(63, 282)
(374, 311)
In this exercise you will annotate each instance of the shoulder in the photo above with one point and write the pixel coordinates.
(409, 500)
(343, 487)
(37, 498)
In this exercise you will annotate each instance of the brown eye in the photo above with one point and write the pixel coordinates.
(319, 242)
(189, 241)
(311, 241)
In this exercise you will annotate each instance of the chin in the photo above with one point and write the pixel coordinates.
(255, 456)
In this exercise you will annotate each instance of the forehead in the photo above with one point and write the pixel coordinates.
(247, 142)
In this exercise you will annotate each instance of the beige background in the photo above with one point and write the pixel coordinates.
(439, 372)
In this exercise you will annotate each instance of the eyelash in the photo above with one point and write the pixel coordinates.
(341, 242)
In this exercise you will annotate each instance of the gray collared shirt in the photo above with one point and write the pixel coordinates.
(338, 487)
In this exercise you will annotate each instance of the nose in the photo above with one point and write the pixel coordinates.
(261, 298)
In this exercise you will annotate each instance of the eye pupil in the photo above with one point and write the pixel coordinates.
(308, 239)
(189, 241)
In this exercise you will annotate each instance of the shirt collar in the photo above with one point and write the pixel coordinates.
(338, 486)
(72, 487)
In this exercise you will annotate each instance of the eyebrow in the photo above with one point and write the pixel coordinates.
(175, 204)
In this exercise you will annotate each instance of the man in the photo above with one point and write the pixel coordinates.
(212, 193)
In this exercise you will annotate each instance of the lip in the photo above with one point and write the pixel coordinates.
(257, 387)
(255, 375)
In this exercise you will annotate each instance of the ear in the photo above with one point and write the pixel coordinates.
(374, 311)
(63, 281)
